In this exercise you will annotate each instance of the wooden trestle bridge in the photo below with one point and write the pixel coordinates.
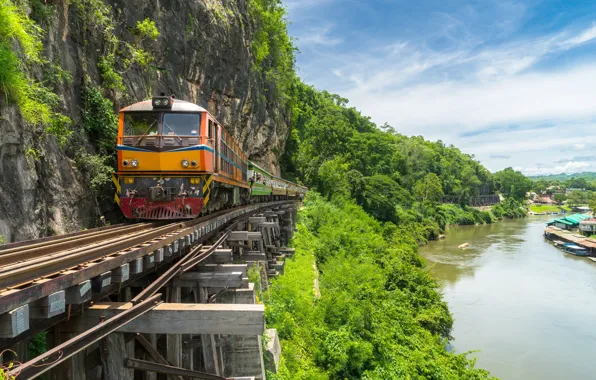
(148, 300)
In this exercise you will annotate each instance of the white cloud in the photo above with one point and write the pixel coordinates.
(586, 36)
(318, 36)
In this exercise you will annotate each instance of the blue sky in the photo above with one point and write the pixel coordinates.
(512, 82)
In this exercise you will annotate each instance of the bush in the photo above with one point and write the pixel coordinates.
(379, 315)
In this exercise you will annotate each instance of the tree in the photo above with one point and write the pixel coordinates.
(333, 178)
(429, 188)
(576, 198)
(540, 186)
(592, 203)
(513, 183)
(560, 198)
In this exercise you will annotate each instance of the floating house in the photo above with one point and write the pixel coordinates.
(568, 222)
(562, 238)
(588, 226)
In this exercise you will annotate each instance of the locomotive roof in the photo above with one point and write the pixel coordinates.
(178, 106)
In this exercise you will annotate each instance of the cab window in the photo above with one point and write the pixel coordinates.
(141, 123)
(181, 124)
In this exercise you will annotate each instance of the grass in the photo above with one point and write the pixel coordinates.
(547, 208)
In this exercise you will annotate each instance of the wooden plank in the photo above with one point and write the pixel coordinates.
(174, 341)
(174, 318)
(102, 281)
(222, 256)
(49, 306)
(78, 294)
(253, 256)
(214, 280)
(121, 274)
(15, 322)
(220, 268)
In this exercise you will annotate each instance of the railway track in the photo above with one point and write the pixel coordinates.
(36, 260)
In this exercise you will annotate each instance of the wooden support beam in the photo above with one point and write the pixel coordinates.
(48, 307)
(142, 365)
(214, 280)
(222, 256)
(173, 318)
(174, 341)
(152, 351)
(78, 294)
(136, 266)
(102, 281)
(253, 256)
(219, 268)
(14, 322)
(121, 274)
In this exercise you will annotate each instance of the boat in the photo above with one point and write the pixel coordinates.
(575, 249)
(559, 242)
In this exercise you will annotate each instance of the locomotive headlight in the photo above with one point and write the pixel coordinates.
(185, 163)
(193, 163)
(125, 163)
(134, 163)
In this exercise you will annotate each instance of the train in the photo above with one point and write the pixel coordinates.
(177, 161)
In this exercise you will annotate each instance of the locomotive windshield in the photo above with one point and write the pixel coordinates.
(174, 124)
(141, 123)
(181, 124)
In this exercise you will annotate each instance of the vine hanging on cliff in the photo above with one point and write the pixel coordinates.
(37, 104)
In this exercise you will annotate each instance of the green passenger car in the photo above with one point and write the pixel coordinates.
(260, 181)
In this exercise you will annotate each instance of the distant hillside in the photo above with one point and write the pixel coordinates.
(563, 176)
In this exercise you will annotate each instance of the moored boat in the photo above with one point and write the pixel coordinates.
(575, 249)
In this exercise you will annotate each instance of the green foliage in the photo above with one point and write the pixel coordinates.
(37, 345)
(147, 29)
(99, 119)
(380, 314)
(37, 104)
(111, 79)
(339, 152)
(117, 56)
(272, 47)
(560, 198)
(513, 183)
(509, 208)
(429, 188)
(465, 215)
(41, 11)
(577, 198)
(96, 169)
(2, 239)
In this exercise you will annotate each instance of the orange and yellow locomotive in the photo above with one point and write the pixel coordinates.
(176, 161)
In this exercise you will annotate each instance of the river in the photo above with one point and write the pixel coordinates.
(527, 306)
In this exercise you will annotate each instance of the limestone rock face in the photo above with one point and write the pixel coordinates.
(203, 55)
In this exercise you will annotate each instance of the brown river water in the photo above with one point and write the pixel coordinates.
(528, 307)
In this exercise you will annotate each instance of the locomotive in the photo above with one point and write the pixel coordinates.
(176, 161)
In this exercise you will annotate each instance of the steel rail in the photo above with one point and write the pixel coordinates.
(25, 243)
(33, 251)
(59, 254)
(46, 361)
(143, 365)
(29, 271)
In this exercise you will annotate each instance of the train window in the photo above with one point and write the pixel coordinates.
(181, 124)
(210, 129)
(141, 123)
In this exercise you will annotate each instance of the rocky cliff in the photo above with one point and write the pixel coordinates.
(201, 51)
